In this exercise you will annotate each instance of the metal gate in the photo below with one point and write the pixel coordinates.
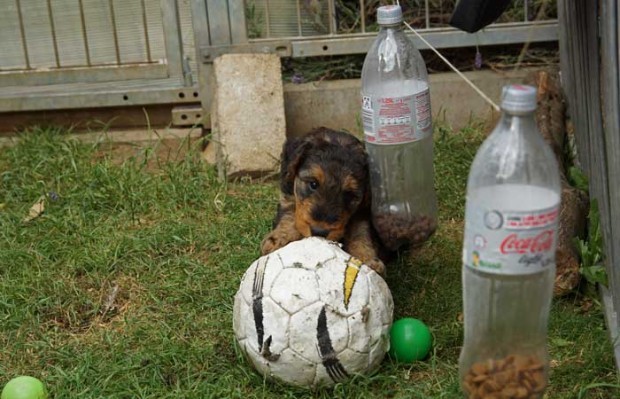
(306, 28)
(58, 54)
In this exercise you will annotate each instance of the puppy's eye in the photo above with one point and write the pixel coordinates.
(313, 184)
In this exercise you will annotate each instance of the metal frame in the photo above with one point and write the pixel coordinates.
(93, 72)
(93, 86)
(104, 94)
(508, 33)
(38, 77)
(220, 28)
(172, 36)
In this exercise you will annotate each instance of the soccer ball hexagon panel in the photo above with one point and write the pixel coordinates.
(310, 314)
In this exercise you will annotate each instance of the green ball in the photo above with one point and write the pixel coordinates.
(24, 387)
(410, 340)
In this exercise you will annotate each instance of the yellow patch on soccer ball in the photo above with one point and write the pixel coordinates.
(350, 276)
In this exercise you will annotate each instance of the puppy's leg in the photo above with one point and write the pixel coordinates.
(284, 230)
(358, 241)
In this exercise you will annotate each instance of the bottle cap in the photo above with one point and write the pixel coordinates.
(519, 98)
(389, 15)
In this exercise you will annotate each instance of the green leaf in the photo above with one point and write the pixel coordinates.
(577, 178)
(595, 274)
(561, 342)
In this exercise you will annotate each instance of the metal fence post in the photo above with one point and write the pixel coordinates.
(216, 23)
(172, 37)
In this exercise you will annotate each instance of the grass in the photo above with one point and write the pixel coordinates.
(123, 287)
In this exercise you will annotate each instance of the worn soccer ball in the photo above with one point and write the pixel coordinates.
(310, 314)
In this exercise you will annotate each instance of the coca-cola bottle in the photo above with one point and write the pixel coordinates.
(511, 219)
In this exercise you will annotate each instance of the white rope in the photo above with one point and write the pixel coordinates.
(480, 92)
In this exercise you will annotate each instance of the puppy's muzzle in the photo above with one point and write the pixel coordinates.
(319, 231)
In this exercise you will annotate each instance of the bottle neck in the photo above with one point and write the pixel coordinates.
(518, 122)
(394, 27)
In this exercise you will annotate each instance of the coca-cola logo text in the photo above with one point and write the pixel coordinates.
(513, 244)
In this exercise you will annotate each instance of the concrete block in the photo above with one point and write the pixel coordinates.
(335, 104)
(248, 122)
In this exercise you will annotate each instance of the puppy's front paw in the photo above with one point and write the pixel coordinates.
(276, 240)
(271, 243)
(377, 265)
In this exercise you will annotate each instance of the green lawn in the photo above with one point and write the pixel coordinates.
(123, 287)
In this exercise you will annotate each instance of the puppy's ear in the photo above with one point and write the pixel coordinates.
(367, 198)
(293, 153)
(358, 161)
(364, 181)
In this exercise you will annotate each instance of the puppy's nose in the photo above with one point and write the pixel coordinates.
(318, 231)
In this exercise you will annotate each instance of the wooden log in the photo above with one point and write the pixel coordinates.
(550, 113)
(550, 117)
(573, 216)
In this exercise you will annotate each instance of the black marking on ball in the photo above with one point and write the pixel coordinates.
(257, 302)
(334, 368)
(266, 351)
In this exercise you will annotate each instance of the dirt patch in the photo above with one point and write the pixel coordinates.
(104, 306)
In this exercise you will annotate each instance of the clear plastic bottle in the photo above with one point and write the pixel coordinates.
(396, 115)
(511, 219)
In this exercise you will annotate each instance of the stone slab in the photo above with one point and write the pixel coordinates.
(248, 121)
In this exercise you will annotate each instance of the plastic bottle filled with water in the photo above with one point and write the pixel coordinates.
(511, 220)
(396, 116)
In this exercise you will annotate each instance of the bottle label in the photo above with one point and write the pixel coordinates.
(397, 120)
(502, 241)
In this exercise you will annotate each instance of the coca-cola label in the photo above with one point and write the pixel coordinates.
(516, 244)
(510, 242)
(396, 120)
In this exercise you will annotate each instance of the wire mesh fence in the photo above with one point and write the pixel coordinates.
(79, 33)
(303, 18)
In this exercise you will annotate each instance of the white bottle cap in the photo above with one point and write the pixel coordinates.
(389, 15)
(519, 98)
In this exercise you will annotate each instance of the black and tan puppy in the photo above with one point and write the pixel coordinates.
(325, 192)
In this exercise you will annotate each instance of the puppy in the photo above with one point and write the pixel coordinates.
(325, 192)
